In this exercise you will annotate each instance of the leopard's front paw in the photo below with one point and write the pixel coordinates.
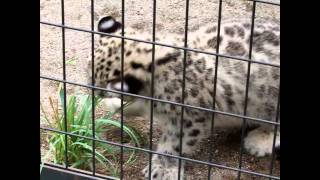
(158, 172)
(260, 143)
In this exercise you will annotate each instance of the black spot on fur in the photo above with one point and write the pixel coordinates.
(168, 90)
(189, 62)
(185, 94)
(273, 91)
(138, 50)
(229, 31)
(261, 91)
(172, 107)
(135, 65)
(194, 92)
(213, 42)
(173, 121)
(227, 89)
(168, 58)
(276, 28)
(194, 132)
(109, 52)
(269, 109)
(164, 138)
(240, 31)
(200, 120)
(192, 142)
(188, 124)
(266, 36)
(230, 102)
(170, 133)
(200, 65)
(247, 25)
(235, 49)
(165, 75)
(177, 68)
(195, 44)
(212, 29)
(147, 50)
(99, 51)
(109, 63)
(176, 148)
(101, 67)
(128, 53)
(177, 134)
(275, 73)
(117, 58)
(191, 77)
(155, 175)
(262, 72)
(102, 60)
(202, 103)
(107, 69)
(240, 67)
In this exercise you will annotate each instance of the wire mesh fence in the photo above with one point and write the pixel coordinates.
(153, 99)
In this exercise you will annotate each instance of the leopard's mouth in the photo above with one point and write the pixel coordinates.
(113, 89)
(130, 85)
(115, 85)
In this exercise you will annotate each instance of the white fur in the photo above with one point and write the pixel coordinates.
(112, 104)
(260, 142)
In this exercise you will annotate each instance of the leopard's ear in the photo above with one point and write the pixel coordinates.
(108, 25)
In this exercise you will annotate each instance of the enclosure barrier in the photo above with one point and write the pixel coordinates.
(209, 163)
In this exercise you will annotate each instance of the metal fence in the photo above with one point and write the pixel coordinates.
(208, 163)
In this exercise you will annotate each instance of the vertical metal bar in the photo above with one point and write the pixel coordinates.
(122, 65)
(275, 134)
(183, 82)
(92, 92)
(40, 97)
(152, 85)
(40, 149)
(64, 85)
(215, 87)
(244, 124)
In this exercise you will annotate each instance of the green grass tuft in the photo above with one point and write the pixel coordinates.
(79, 122)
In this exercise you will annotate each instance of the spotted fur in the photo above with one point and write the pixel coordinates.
(199, 83)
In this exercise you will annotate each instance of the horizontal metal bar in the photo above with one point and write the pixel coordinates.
(78, 172)
(165, 101)
(266, 2)
(168, 155)
(161, 44)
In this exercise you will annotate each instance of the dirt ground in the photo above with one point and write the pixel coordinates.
(138, 14)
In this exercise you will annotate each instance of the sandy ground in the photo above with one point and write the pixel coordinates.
(138, 14)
